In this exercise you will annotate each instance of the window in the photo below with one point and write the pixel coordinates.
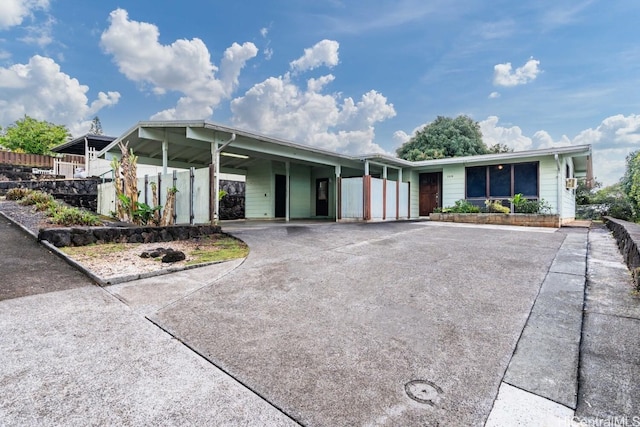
(525, 179)
(477, 182)
(502, 181)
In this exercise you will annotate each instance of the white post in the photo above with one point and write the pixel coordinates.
(287, 165)
(335, 192)
(215, 154)
(165, 149)
(86, 156)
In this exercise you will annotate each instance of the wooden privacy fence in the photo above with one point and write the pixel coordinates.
(37, 160)
(24, 159)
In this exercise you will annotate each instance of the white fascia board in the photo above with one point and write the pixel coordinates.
(572, 151)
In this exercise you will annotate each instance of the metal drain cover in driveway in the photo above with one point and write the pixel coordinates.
(423, 391)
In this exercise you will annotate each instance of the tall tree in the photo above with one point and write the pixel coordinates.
(631, 180)
(33, 136)
(96, 126)
(445, 137)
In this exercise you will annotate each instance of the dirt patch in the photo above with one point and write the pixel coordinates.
(124, 259)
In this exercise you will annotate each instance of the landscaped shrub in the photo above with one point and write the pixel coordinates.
(495, 206)
(462, 206)
(523, 205)
(36, 197)
(58, 213)
(67, 216)
(17, 193)
(46, 205)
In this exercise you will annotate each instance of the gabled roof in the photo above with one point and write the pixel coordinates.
(190, 145)
(77, 145)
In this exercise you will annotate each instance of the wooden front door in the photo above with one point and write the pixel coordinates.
(430, 189)
(322, 197)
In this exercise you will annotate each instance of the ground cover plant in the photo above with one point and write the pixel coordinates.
(56, 212)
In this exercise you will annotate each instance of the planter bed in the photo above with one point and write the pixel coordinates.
(527, 220)
(82, 236)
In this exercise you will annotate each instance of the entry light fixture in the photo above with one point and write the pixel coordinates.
(237, 156)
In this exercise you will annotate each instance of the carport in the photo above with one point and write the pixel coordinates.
(284, 180)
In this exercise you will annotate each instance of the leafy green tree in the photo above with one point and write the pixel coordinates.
(500, 148)
(445, 137)
(584, 193)
(631, 180)
(29, 135)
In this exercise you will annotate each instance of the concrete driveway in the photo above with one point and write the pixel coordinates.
(370, 324)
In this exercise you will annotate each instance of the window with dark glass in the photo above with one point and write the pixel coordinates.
(477, 182)
(505, 181)
(500, 181)
(525, 179)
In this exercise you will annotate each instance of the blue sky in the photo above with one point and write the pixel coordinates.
(354, 77)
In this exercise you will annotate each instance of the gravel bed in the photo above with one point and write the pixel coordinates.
(25, 215)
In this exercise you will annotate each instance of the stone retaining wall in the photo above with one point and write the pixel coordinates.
(527, 220)
(627, 234)
(81, 193)
(232, 205)
(82, 236)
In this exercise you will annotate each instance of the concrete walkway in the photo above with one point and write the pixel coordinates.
(72, 354)
(325, 324)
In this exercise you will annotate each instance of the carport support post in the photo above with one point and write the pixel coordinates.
(165, 150)
(213, 181)
(215, 152)
(337, 193)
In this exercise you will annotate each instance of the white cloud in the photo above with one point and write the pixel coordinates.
(512, 137)
(264, 32)
(614, 138)
(279, 107)
(324, 53)
(183, 66)
(542, 139)
(13, 12)
(494, 95)
(41, 90)
(268, 53)
(40, 34)
(503, 74)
